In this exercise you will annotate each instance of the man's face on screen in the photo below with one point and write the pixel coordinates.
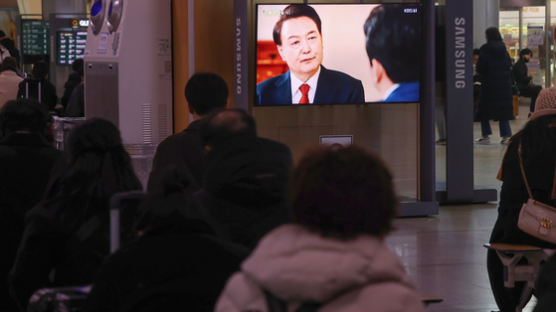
(301, 46)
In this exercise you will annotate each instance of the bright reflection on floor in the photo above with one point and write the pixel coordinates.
(444, 254)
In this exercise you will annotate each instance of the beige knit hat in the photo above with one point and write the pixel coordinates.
(546, 103)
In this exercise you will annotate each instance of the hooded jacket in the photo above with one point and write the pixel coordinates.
(300, 266)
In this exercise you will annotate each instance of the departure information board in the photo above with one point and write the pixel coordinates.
(70, 45)
(34, 36)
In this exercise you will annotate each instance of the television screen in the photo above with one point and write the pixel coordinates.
(338, 53)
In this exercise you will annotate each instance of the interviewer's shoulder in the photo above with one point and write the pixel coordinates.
(342, 77)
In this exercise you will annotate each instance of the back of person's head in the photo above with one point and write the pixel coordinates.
(99, 166)
(525, 51)
(2, 34)
(294, 11)
(8, 43)
(390, 34)
(493, 34)
(343, 192)
(40, 70)
(225, 124)
(206, 92)
(9, 63)
(476, 52)
(77, 66)
(166, 210)
(24, 115)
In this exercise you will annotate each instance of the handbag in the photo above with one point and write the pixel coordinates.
(536, 218)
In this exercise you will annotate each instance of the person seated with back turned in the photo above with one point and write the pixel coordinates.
(243, 192)
(204, 93)
(389, 37)
(176, 263)
(9, 81)
(524, 82)
(538, 148)
(66, 235)
(333, 254)
(38, 87)
(298, 38)
(27, 161)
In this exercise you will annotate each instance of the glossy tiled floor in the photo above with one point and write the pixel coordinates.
(444, 254)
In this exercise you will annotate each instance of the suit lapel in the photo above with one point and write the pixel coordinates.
(322, 92)
(283, 90)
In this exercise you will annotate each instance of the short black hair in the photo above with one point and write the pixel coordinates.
(294, 11)
(343, 192)
(205, 92)
(390, 35)
(476, 51)
(525, 51)
(493, 34)
(24, 114)
(224, 124)
(2, 34)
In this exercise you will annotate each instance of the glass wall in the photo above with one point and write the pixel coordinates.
(528, 27)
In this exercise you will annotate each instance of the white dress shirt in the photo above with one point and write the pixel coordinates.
(389, 91)
(296, 83)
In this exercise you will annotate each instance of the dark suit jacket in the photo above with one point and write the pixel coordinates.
(405, 92)
(333, 87)
(520, 74)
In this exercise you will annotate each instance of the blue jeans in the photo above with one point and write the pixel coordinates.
(505, 130)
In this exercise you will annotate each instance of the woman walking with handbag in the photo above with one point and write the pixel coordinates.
(535, 148)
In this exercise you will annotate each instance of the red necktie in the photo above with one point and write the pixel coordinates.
(304, 88)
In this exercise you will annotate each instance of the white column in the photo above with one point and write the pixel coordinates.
(63, 6)
(485, 15)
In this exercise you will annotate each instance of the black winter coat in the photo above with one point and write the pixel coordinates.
(74, 80)
(520, 74)
(243, 194)
(179, 267)
(26, 163)
(495, 66)
(182, 151)
(75, 254)
(540, 175)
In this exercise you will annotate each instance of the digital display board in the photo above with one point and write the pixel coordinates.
(34, 36)
(70, 45)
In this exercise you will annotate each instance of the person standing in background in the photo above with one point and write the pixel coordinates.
(495, 101)
(9, 81)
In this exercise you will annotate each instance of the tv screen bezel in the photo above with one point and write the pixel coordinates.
(419, 4)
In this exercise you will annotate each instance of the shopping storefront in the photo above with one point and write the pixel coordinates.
(531, 24)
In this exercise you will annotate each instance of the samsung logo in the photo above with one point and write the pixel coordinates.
(410, 10)
(459, 53)
(238, 56)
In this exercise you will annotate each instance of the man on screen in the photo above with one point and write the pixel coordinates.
(298, 37)
(392, 42)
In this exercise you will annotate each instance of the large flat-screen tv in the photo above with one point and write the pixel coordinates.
(338, 53)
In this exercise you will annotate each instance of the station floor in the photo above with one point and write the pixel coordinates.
(444, 254)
